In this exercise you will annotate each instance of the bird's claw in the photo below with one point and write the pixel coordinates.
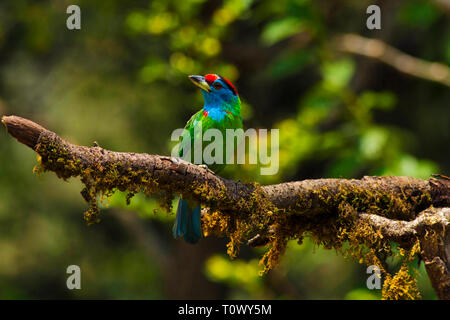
(175, 160)
(204, 166)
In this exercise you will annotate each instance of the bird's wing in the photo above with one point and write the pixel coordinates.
(186, 145)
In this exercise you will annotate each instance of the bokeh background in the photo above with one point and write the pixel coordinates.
(122, 81)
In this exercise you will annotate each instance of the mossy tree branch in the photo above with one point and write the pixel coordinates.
(370, 211)
(432, 227)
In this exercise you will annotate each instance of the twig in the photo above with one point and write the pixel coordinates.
(403, 231)
(373, 48)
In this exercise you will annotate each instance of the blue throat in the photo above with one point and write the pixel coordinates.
(215, 113)
(216, 105)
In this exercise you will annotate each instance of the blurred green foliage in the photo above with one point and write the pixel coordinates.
(121, 80)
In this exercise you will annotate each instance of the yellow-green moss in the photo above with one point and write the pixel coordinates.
(101, 181)
(402, 285)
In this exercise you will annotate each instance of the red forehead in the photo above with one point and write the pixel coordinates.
(210, 78)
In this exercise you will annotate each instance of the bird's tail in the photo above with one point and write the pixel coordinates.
(187, 221)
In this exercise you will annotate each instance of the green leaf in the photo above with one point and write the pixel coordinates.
(337, 74)
(289, 62)
(363, 294)
(407, 165)
(418, 13)
(384, 100)
(373, 142)
(280, 30)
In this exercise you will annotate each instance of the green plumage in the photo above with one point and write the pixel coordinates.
(221, 111)
(229, 121)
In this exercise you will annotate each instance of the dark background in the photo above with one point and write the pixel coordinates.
(122, 81)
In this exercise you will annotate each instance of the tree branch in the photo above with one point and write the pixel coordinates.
(183, 177)
(402, 209)
(432, 227)
(403, 231)
(436, 252)
(373, 48)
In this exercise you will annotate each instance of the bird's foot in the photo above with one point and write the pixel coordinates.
(204, 166)
(174, 160)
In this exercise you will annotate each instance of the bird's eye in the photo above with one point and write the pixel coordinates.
(217, 85)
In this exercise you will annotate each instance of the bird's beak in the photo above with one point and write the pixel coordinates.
(200, 82)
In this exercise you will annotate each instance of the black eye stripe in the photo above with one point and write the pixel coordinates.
(227, 85)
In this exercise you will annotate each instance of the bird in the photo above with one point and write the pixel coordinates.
(221, 111)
